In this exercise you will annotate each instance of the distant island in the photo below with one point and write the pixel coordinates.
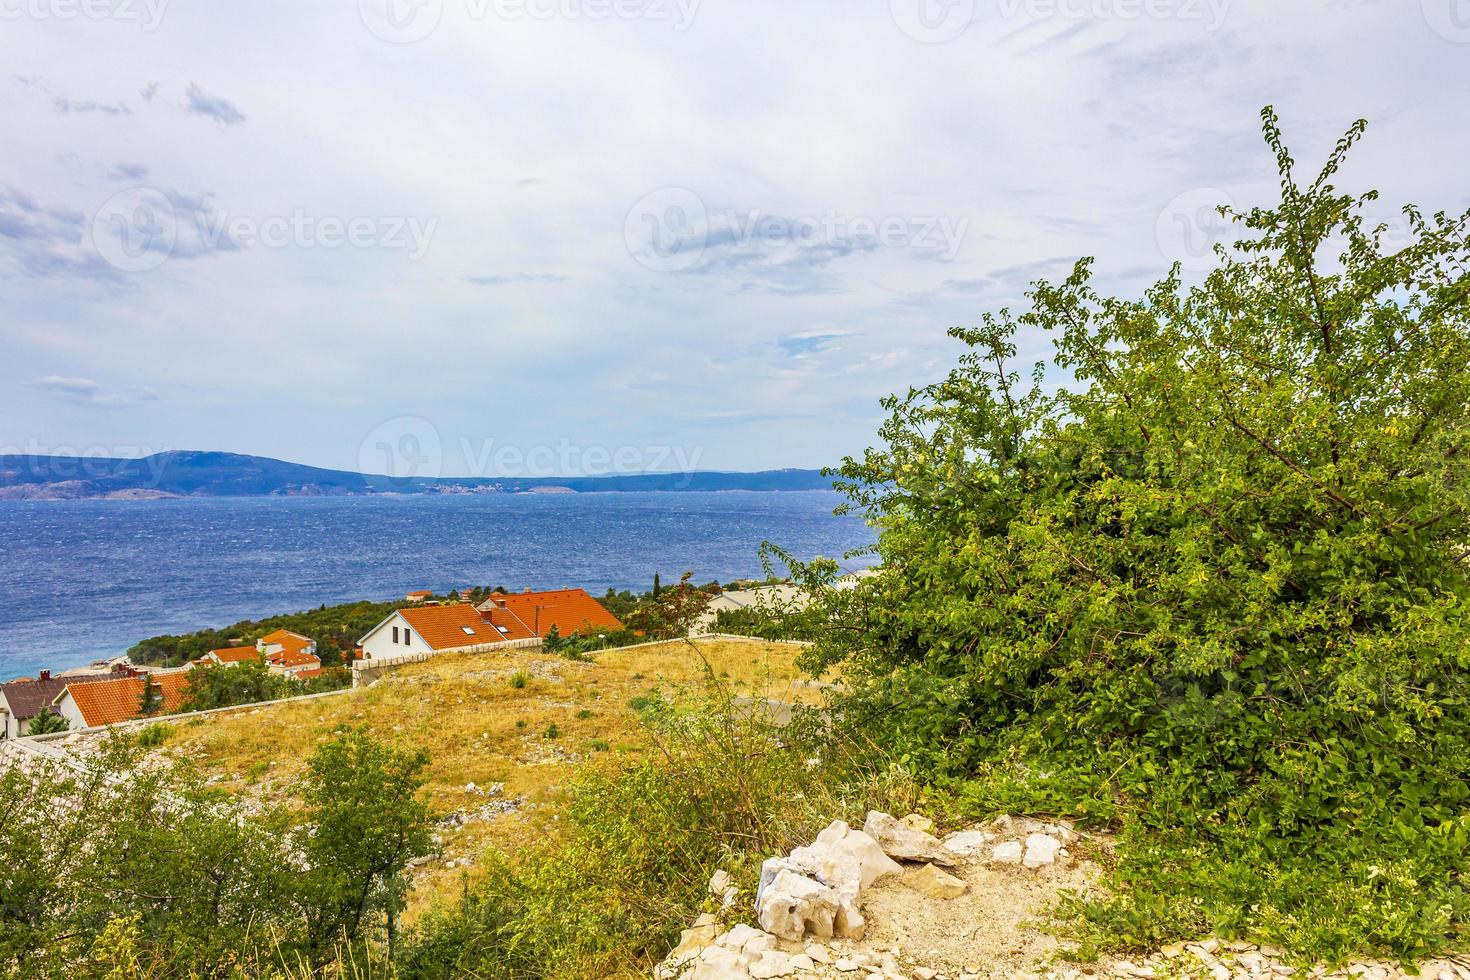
(213, 474)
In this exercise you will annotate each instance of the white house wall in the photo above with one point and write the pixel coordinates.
(379, 644)
(67, 708)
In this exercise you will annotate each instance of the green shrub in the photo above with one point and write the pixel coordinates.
(178, 879)
(154, 735)
(1214, 591)
(771, 621)
(519, 679)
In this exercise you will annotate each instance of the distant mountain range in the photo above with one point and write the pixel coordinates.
(205, 474)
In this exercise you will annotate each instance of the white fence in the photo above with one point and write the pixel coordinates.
(366, 671)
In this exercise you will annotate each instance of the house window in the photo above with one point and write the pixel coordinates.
(395, 634)
(406, 638)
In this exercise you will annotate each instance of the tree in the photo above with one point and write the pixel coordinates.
(1206, 577)
(46, 722)
(671, 612)
(219, 686)
(150, 701)
(365, 821)
(656, 586)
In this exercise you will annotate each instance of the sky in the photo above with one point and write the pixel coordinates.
(562, 237)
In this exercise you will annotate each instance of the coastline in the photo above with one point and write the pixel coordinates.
(84, 579)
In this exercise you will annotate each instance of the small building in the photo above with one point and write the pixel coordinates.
(499, 619)
(229, 657)
(434, 629)
(285, 641)
(292, 663)
(782, 596)
(87, 704)
(419, 595)
(22, 699)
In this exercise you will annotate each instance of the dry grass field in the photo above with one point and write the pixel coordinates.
(520, 719)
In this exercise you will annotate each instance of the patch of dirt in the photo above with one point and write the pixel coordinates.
(990, 931)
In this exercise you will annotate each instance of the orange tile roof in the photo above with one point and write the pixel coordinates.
(287, 640)
(235, 655)
(109, 701)
(451, 627)
(569, 610)
(292, 658)
(507, 624)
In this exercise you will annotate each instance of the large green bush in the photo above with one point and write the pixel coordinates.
(1206, 578)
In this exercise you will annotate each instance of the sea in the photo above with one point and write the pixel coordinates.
(85, 579)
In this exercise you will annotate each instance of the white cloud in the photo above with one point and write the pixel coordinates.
(529, 140)
(88, 392)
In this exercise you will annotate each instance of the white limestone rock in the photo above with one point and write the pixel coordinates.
(792, 905)
(1041, 850)
(692, 943)
(967, 842)
(724, 889)
(918, 822)
(1010, 852)
(718, 963)
(930, 881)
(841, 854)
(905, 843)
(847, 861)
(773, 963)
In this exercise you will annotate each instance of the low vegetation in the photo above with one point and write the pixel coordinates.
(215, 686)
(608, 894)
(611, 796)
(484, 720)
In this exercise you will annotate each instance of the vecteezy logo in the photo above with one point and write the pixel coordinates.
(932, 21)
(405, 446)
(667, 231)
(135, 230)
(401, 21)
(1190, 226)
(1450, 19)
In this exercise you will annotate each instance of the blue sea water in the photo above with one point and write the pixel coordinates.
(84, 579)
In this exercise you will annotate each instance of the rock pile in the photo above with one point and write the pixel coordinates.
(809, 903)
(497, 805)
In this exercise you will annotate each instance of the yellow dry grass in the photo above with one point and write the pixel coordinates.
(480, 727)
